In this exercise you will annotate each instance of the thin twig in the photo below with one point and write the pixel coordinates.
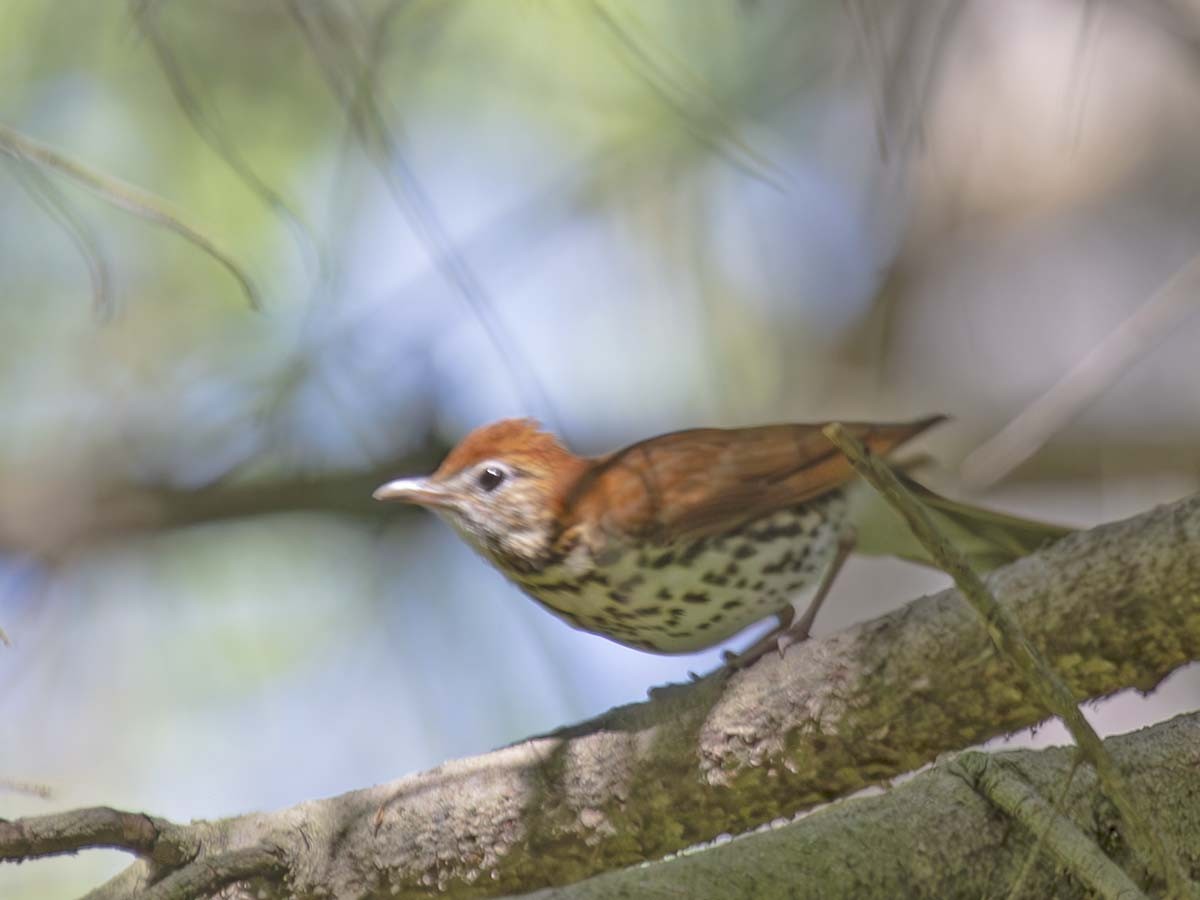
(46, 194)
(124, 196)
(100, 826)
(207, 126)
(366, 117)
(1010, 793)
(41, 791)
(206, 876)
(1153, 848)
(1153, 321)
(697, 108)
(1035, 851)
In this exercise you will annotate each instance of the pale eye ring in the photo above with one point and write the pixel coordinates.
(491, 478)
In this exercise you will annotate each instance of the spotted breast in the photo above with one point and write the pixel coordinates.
(684, 596)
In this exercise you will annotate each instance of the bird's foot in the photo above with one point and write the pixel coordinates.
(778, 638)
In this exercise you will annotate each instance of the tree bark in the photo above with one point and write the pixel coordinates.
(949, 833)
(1111, 608)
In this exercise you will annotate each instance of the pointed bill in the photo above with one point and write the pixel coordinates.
(420, 491)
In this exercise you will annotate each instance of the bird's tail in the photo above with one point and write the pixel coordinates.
(988, 539)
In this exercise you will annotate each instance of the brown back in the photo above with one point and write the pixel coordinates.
(691, 484)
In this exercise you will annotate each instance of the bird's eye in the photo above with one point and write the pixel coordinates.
(491, 477)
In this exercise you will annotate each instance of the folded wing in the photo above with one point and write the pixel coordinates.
(690, 484)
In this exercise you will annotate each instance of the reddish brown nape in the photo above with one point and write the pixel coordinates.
(519, 441)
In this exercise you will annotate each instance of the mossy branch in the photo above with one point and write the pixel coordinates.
(1010, 640)
(1074, 850)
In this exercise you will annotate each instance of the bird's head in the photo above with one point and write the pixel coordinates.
(499, 488)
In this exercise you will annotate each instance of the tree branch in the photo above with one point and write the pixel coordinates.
(939, 835)
(86, 513)
(1111, 608)
(1010, 640)
(1004, 787)
(80, 829)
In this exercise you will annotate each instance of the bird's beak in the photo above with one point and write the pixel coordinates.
(420, 491)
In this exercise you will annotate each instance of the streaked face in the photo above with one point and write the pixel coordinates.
(497, 507)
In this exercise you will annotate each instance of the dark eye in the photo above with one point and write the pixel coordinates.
(490, 478)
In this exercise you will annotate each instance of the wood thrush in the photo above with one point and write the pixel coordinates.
(677, 542)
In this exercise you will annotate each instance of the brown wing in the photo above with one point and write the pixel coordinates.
(690, 484)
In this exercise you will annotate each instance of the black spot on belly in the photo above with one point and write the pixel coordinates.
(775, 532)
(690, 554)
(616, 597)
(663, 594)
(648, 610)
(610, 555)
(745, 551)
(714, 579)
(731, 604)
(695, 597)
(779, 565)
(758, 585)
(732, 569)
(631, 582)
(741, 583)
(676, 613)
(663, 561)
(704, 626)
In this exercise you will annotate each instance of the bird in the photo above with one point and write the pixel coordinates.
(678, 542)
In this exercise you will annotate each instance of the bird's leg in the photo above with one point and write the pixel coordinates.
(800, 631)
(786, 633)
(764, 644)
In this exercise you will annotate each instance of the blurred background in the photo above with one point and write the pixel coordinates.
(620, 218)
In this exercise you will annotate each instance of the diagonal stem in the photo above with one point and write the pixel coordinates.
(1152, 847)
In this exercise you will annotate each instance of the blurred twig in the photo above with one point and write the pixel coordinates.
(508, 238)
(106, 512)
(1080, 70)
(47, 195)
(41, 791)
(1155, 850)
(917, 73)
(694, 103)
(358, 97)
(874, 57)
(124, 196)
(207, 126)
(1154, 320)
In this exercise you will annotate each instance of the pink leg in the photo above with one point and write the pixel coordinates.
(786, 633)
